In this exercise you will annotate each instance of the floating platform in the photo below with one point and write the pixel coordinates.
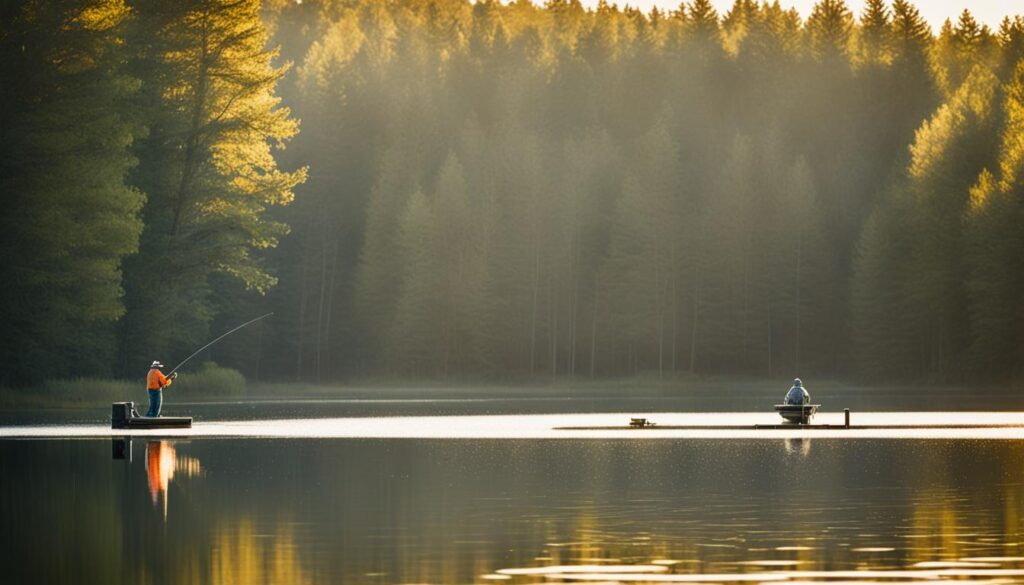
(124, 416)
(797, 413)
(794, 427)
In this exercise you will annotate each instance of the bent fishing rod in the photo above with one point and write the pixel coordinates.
(200, 350)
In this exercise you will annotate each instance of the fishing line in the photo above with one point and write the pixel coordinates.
(200, 350)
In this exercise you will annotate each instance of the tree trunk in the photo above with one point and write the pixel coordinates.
(693, 324)
(799, 262)
(320, 306)
(675, 317)
(553, 337)
(303, 296)
(593, 332)
(192, 144)
(330, 301)
(533, 317)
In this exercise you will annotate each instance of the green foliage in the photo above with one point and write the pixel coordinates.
(883, 336)
(924, 275)
(960, 48)
(209, 380)
(419, 307)
(830, 26)
(552, 190)
(995, 240)
(69, 218)
(73, 392)
(510, 189)
(206, 166)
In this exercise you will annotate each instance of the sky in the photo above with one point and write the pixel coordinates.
(990, 12)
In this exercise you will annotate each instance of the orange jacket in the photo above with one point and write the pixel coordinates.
(156, 380)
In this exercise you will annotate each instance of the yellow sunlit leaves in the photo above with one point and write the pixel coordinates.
(103, 15)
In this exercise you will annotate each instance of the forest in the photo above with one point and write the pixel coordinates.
(446, 189)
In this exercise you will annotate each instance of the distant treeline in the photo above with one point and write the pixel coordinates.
(512, 190)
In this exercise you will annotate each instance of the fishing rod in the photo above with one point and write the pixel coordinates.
(200, 350)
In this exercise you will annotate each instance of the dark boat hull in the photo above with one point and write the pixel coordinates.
(123, 416)
(159, 422)
(797, 413)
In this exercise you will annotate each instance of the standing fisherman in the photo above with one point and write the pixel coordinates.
(156, 381)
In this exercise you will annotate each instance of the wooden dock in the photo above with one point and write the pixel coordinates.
(643, 424)
(793, 427)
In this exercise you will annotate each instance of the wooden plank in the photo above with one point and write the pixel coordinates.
(794, 427)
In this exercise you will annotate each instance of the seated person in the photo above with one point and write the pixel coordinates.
(797, 395)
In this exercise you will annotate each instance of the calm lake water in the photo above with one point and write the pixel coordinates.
(402, 511)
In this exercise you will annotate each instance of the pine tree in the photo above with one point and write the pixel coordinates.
(830, 27)
(885, 342)
(717, 326)
(377, 276)
(874, 39)
(910, 75)
(995, 238)
(949, 152)
(817, 333)
(642, 276)
(1011, 41)
(416, 343)
(458, 244)
(959, 49)
(69, 218)
(911, 35)
(207, 166)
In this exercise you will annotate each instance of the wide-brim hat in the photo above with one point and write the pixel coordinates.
(156, 364)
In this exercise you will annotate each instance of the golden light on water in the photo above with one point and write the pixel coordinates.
(590, 541)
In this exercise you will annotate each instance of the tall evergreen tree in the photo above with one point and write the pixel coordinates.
(959, 49)
(947, 155)
(995, 238)
(884, 338)
(207, 165)
(830, 27)
(642, 275)
(69, 218)
(416, 344)
(874, 41)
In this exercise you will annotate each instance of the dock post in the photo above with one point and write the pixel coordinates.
(846, 414)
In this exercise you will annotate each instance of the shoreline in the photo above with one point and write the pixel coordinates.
(710, 390)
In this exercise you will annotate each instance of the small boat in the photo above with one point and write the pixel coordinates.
(797, 413)
(124, 416)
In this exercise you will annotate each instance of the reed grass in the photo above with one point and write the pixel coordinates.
(208, 380)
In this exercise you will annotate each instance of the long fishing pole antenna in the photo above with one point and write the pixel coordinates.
(200, 350)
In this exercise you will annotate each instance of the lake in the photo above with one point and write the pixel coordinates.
(302, 508)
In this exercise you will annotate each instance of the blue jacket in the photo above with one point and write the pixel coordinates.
(797, 395)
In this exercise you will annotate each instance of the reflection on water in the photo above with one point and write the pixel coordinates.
(516, 512)
(162, 462)
(240, 554)
(801, 447)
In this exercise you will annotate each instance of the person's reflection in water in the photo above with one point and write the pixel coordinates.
(162, 462)
(801, 447)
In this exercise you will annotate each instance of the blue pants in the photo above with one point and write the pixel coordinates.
(155, 397)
